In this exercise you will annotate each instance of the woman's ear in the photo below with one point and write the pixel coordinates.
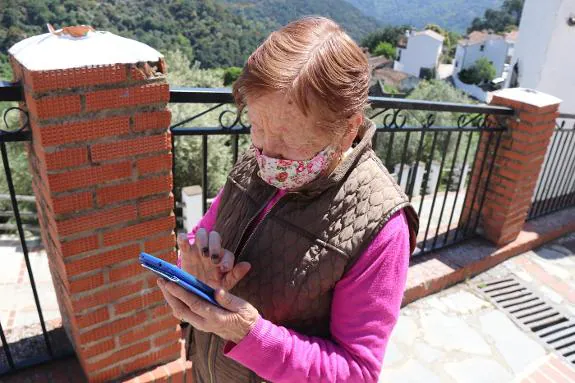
(354, 122)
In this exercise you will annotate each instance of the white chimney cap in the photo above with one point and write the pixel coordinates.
(52, 51)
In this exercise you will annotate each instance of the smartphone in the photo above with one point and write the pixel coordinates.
(174, 274)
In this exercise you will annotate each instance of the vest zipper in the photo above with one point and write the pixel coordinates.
(242, 243)
(241, 249)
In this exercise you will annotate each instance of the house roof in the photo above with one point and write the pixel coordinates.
(430, 33)
(512, 36)
(378, 61)
(389, 76)
(477, 37)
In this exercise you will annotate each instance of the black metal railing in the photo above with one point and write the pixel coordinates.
(430, 147)
(21, 347)
(556, 185)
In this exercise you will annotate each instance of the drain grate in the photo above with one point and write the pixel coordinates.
(533, 313)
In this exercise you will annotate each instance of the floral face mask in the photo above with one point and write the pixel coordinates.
(293, 174)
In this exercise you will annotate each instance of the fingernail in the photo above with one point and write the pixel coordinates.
(206, 252)
(160, 282)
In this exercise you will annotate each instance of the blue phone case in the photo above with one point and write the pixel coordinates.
(174, 274)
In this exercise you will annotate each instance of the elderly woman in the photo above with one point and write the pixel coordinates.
(308, 242)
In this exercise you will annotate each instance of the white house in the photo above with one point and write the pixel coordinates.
(477, 45)
(419, 53)
(544, 56)
(545, 60)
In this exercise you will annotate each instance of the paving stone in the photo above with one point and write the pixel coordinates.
(405, 330)
(478, 370)
(556, 270)
(392, 354)
(464, 302)
(434, 302)
(410, 372)
(524, 276)
(451, 333)
(550, 294)
(517, 347)
(554, 262)
(427, 354)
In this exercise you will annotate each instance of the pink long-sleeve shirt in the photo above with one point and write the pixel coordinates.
(365, 308)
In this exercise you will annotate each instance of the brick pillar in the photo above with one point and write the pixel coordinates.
(101, 164)
(516, 166)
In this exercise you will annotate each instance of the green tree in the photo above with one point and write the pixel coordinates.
(384, 49)
(390, 34)
(481, 72)
(435, 28)
(231, 75)
(21, 176)
(449, 43)
(499, 20)
(433, 90)
(281, 12)
(203, 29)
(188, 149)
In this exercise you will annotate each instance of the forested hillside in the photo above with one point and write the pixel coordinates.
(453, 15)
(202, 29)
(280, 12)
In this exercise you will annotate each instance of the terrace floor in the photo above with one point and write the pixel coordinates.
(457, 335)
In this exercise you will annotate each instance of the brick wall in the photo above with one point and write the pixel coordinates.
(101, 165)
(516, 165)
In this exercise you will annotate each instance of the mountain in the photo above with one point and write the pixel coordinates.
(281, 12)
(453, 15)
(202, 29)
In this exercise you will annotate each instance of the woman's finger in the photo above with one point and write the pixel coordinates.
(238, 272)
(215, 247)
(195, 304)
(227, 262)
(183, 243)
(179, 309)
(202, 242)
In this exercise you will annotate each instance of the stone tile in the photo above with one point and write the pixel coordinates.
(427, 354)
(10, 269)
(526, 277)
(392, 354)
(517, 348)
(464, 302)
(553, 267)
(550, 294)
(450, 333)
(434, 302)
(40, 268)
(478, 370)
(410, 372)
(405, 331)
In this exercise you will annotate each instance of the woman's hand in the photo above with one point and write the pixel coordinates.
(233, 324)
(209, 262)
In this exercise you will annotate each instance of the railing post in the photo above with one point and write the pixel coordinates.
(500, 209)
(101, 165)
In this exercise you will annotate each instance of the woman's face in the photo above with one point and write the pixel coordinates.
(280, 130)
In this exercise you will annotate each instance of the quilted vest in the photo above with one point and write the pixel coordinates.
(301, 249)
